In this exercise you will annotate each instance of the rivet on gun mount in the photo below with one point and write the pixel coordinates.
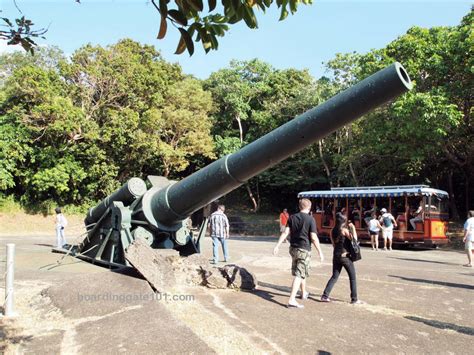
(159, 215)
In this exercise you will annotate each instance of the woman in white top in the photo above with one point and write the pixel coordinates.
(374, 230)
(61, 223)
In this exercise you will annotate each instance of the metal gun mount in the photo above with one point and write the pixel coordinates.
(159, 215)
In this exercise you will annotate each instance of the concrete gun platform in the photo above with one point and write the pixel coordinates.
(416, 302)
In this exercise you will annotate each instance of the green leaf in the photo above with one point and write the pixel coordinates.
(187, 40)
(214, 42)
(249, 17)
(179, 17)
(196, 4)
(9, 23)
(181, 46)
(164, 7)
(212, 4)
(293, 6)
(228, 8)
(234, 19)
(235, 4)
(284, 13)
(218, 30)
(205, 39)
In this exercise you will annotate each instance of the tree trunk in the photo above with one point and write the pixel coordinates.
(467, 191)
(252, 198)
(452, 202)
(356, 181)
(326, 167)
(241, 130)
(247, 185)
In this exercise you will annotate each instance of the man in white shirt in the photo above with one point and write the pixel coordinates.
(61, 223)
(387, 222)
(469, 237)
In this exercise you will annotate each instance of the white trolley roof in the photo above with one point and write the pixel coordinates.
(376, 191)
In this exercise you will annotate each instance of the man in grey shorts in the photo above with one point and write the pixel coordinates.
(302, 230)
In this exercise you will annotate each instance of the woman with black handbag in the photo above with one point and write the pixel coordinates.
(341, 239)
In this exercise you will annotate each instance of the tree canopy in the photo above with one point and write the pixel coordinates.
(73, 129)
(195, 20)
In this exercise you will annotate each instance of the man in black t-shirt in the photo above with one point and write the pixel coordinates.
(302, 230)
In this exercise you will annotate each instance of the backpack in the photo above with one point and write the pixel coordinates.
(354, 250)
(387, 221)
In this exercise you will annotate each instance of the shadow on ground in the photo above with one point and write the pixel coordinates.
(424, 261)
(434, 282)
(443, 325)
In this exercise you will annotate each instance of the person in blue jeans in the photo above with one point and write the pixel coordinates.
(341, 239)
(219, 227)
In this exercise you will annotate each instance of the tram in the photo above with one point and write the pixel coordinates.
(421, 212)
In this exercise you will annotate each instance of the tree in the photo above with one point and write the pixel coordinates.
(73, 133)
(251, 99)
(37, 109)
(182, 127)
(187, 16)
(20, 31)
(206, 29)
(425, 135)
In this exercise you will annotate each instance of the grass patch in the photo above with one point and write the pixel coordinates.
(9, 205)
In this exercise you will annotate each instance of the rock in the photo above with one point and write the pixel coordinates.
(164, 268)
(239, 277)
(214, 279)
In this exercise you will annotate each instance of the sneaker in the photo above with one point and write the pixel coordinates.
(390, 249)
(325, 299)
(305, 296)
(294, 305)
(357, 302)
(385, 249)
(467, 265)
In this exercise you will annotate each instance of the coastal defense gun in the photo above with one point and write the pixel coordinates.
(159, 214)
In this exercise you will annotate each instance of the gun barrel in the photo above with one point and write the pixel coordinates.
(129, 191)
(176, 202)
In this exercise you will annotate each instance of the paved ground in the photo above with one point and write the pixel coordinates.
(416, 302)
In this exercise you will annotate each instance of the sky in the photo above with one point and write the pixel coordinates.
(305, 40)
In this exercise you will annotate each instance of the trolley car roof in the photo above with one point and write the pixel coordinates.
(376, 191)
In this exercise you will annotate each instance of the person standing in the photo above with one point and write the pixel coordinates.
(469, 237)
(284, 215)
(368, 213)
(341, 239)
(388, 222)
(219, 228)
(302, 230)
(417, 216)
(374, 230)
(61, 224)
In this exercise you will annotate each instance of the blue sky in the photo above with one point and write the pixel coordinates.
(310, 37)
